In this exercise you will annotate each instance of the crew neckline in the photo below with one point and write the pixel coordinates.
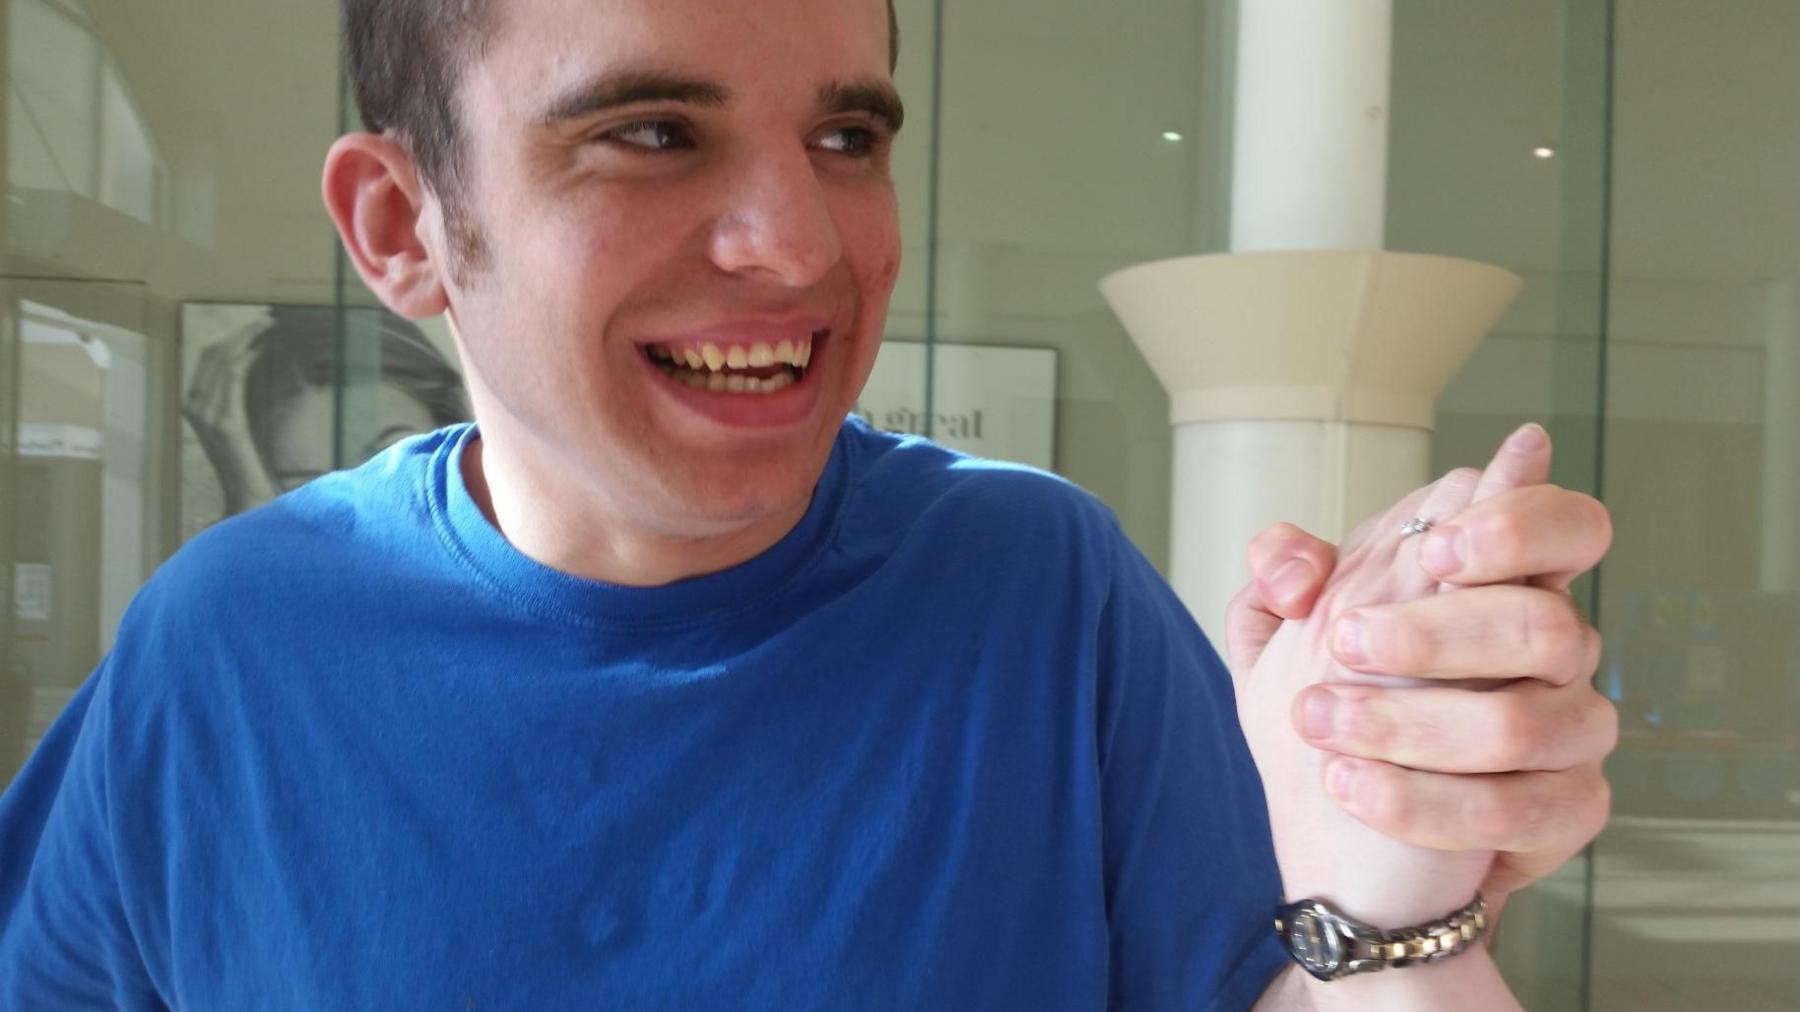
(552, 593)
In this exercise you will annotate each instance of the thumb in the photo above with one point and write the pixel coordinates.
(1249, 626)
(1288, 568)
(1285, 583)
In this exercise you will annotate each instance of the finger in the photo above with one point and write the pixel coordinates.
(207, 366)
(1542, 531)
(1449, 495)
(1249, 625)
(1444, 498)
(1289, 567)
(1523, 459)
(1500, 631)
(1524, 813)
(1524, 726)
(204, 390)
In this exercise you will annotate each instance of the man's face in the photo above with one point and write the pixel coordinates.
(691, 237)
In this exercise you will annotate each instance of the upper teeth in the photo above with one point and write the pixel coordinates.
(715, 357)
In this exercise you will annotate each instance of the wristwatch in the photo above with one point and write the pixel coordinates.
(1330, 945)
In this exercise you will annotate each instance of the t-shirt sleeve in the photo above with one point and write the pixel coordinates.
(1191, 880)
(64, 940)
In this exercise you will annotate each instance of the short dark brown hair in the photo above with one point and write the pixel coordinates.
(406, 61)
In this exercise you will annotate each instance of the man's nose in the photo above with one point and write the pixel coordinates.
(776, 222)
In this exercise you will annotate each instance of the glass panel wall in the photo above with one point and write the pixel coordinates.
(1060, 162)
(83, 496)
(16, 690)
(161, 196)
(1697, 880)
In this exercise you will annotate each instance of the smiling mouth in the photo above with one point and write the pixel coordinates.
(750, 367)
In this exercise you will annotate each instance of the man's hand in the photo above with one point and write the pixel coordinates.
(1509, 764)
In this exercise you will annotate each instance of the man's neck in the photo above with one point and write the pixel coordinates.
(594, 543)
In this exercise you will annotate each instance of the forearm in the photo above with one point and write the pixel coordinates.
(1469, 982)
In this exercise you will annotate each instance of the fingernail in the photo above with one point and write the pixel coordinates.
(1443, 551)
(1350, 631)
(1316, 713)
(1341, 778)
(1526, 438)
(1292, 580)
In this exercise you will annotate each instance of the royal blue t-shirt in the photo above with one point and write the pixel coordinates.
(951, 744)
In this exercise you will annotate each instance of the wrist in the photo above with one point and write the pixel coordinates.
(1391, 890)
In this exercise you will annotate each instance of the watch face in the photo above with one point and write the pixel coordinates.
(1314, 944)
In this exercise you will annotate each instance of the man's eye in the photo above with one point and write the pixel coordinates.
(856, 142)
(651, 135)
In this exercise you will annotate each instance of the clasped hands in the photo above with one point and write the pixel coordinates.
(1397, 799)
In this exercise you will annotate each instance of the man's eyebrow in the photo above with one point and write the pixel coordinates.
(629, 87)
(874, 97)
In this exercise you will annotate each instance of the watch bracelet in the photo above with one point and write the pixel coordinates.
(1424, 943)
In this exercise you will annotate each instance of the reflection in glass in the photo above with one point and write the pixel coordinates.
(79, 489)
(1697, 879)
(72, 125)
(52, 76)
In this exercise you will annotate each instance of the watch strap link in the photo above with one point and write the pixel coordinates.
(1428, 943)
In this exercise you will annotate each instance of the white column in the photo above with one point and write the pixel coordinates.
(1309, 171)
(1311, 125)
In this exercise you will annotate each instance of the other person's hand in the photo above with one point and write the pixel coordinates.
(1491, 773)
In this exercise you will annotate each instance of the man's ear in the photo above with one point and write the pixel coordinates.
(378, 203)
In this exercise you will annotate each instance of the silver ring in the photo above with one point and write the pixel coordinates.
(1417, 525)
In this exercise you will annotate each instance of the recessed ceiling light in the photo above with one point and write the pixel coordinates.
(1172, 136)
(1544, 152)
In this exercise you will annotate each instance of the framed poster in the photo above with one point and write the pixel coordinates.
(259, 398)
(987, 400)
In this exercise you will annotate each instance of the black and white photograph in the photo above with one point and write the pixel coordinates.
(259, 399)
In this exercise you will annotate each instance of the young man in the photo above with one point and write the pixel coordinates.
(667, 687)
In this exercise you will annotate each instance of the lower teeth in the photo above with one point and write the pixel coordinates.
(718, 382)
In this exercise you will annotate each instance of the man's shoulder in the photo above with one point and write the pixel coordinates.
(252, 602)
(322, 532)
(910, 481)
